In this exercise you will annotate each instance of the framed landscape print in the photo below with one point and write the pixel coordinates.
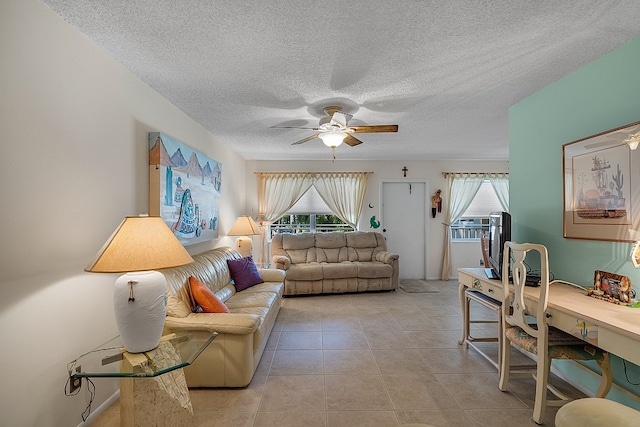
(184, 189)
(601, 199)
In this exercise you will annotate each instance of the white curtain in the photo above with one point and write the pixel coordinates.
(343, 193)
(500, 184)
(277, 192)
(461, 189)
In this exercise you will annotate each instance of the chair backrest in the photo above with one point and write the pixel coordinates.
(514, 257)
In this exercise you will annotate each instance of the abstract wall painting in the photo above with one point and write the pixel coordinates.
(184, 189)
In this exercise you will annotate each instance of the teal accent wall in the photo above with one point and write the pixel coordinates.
(600, 96)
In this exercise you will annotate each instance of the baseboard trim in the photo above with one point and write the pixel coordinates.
(100, 409)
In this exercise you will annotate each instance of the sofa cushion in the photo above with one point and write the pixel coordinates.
(252, 299)
(176, 307)
(361, 254)
(244, 273)
(361, 239)
(310, 271)
(276, 288)
(342, 270)
(301, 256)
(205, 298)
(374, 270)
(332, 255)
(330, 240)
(298, 241)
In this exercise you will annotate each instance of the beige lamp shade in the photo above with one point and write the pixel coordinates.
(244, 226)
(140, 243)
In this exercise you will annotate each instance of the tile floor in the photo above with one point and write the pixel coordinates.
(371, 359)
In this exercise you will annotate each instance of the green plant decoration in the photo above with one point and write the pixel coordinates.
(618, 178)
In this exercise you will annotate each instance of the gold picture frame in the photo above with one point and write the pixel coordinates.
(601, 200)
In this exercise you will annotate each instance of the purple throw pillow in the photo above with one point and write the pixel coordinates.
(244, 273)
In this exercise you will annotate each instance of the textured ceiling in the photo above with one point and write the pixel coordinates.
(445, 71)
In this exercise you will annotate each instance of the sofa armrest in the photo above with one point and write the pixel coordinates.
(225, 323)
(386, 257)
(282, 262)
(271, 274)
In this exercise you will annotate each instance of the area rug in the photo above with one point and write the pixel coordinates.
(417, 286)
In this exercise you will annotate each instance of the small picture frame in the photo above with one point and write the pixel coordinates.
(611, 287)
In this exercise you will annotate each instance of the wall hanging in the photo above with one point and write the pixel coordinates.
(601, 184)
(184, 189)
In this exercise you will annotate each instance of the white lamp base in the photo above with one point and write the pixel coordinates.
(244, 245)
(140, 305)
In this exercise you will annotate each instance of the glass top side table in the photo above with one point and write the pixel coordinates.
(144, 398)
(106, 360)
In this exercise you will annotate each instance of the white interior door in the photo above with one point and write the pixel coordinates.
(404, 217)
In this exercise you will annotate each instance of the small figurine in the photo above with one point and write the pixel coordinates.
(436, 203)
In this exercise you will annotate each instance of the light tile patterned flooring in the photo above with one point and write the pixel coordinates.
(371, 359)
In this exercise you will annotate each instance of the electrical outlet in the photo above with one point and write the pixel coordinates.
(75, 382)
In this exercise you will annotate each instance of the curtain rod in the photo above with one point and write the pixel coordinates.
(446, 174)
(310, 173)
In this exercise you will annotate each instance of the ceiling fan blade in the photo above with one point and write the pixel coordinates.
(340, 118)
(351, 140)
(309, 138)
(372, 129)
(291, 127)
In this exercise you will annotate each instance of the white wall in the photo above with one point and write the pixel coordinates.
(463, 254)
(74, 126)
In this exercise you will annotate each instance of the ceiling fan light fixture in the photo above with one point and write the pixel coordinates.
(332, 139)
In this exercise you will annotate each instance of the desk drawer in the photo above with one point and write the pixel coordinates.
(620, 345)
(487, 288)
(577, 327)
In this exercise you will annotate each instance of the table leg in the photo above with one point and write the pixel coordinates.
(461, 296)
(159, 401)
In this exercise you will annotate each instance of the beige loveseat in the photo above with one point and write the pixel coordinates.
(232, 358)
(320, 263)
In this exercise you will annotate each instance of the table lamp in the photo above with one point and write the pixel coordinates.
(137, 247)
(243, 227)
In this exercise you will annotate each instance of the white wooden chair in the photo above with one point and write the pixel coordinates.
(536, 336)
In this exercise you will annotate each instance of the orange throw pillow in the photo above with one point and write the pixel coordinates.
(206, 299)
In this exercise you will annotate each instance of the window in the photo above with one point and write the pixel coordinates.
(310, 214)
(475, 221)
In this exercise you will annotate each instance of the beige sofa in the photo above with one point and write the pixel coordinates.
(320, 263)
(232, 358)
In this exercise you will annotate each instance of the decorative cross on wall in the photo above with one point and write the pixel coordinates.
(405, 170)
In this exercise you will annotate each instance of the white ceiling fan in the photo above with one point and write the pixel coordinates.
(334, 129)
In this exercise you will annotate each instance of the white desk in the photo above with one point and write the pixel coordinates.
(611, 327)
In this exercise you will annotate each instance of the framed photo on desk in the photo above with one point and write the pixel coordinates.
(600, 193)
(612, 287)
